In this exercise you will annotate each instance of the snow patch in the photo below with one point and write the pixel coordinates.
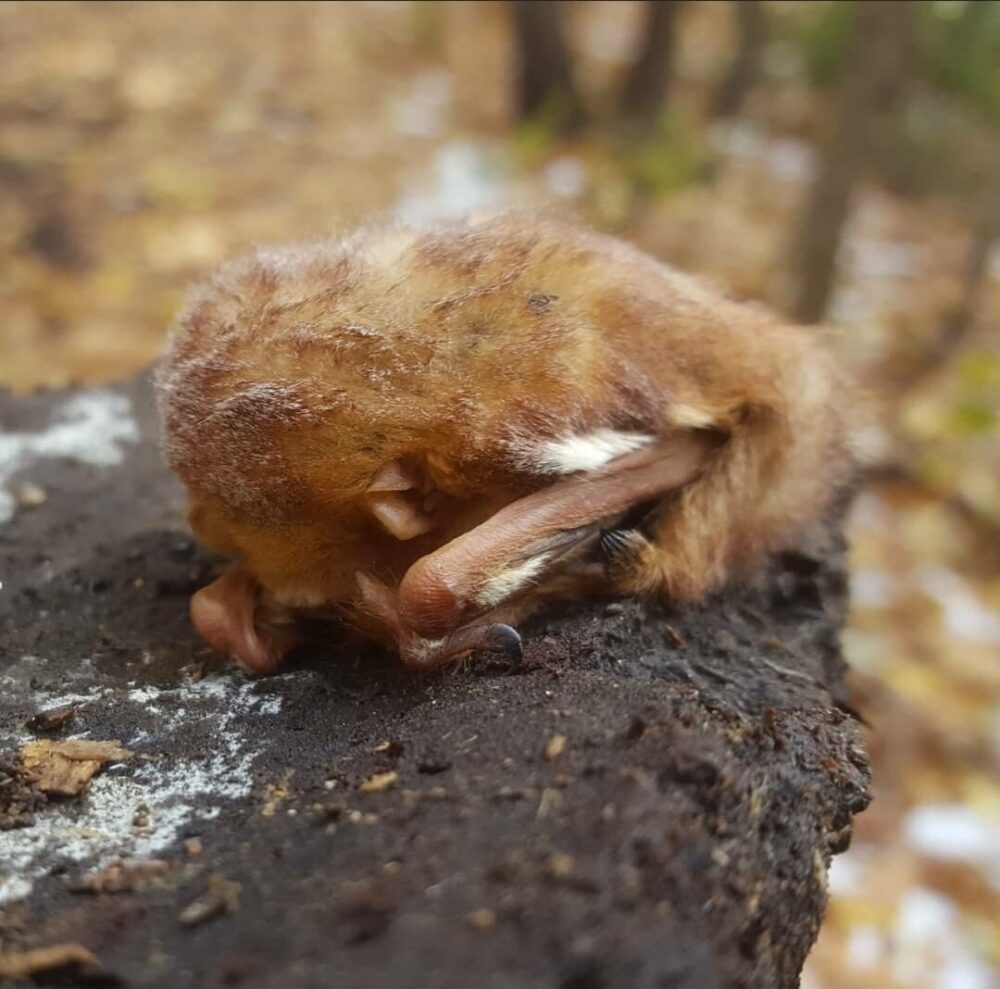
(965, 616)
(422, 110)
(956, 833)
(463, 181)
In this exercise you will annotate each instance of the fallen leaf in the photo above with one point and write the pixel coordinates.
(64, 768)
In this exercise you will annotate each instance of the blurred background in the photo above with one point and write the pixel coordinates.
(838, 161)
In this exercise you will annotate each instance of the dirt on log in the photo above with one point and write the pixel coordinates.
(651, 800)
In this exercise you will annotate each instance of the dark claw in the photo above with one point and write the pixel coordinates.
(621, 551)
(503, 638)
(616, 543)
(471, 638)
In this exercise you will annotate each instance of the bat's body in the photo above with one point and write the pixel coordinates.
(429, 433)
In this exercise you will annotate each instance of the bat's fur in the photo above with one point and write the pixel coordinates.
(295, 376)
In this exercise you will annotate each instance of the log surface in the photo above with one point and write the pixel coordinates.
(651, 800)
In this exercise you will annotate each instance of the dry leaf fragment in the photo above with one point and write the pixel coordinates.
(24, 964)
(379, 782)
(222, 896)
(123, 877)
(64, 768)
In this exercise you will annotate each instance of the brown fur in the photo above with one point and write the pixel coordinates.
(297, 375)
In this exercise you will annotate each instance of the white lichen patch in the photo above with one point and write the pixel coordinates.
(90, 427)
(173, 790)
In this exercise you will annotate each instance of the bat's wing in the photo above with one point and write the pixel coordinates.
(437, 604)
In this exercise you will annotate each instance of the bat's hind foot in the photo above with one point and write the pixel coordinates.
(631, 562)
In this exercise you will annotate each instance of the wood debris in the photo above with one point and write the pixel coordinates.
(555, 747)
(674, 637)
(19, 795)
(482, 920)
(379, 782)
(24, 964)
(123, 877)
(54, 719)
(65, 768)
(561, 865)
(222, 896)
(31, 495)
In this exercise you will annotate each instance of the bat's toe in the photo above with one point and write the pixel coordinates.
(623, 551)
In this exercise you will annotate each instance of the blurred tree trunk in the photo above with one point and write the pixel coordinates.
(545, 87)
(961, 317)
(872, 86)
(751, 25)
(974, 277)
(645, 90)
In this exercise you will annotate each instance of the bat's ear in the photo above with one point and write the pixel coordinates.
(225, 615)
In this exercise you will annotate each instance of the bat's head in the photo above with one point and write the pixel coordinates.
(311, 405)
(316, 522)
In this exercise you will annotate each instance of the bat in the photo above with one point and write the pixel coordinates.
(427, 434)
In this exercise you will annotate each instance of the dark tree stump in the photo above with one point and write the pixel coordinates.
(681, 837)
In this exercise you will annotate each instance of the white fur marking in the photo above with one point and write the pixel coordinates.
(420, 648)
(505, 583)
(587, 452)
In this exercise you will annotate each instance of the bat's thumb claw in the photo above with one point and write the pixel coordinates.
(504, 639)
(422, 654)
